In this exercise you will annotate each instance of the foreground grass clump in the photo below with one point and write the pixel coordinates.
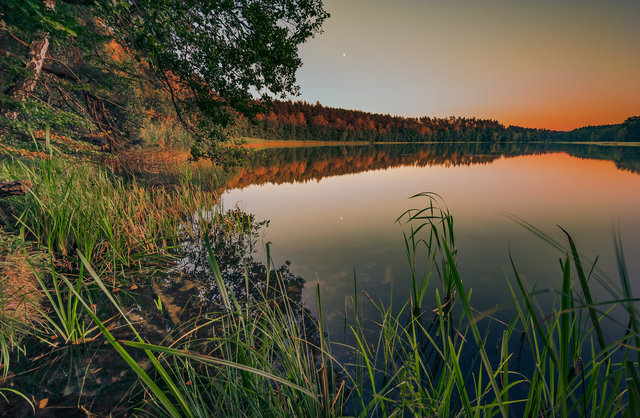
(538, 363)
(78, 205)
(255, 357)
(260, 352)
(123, 226)
(250, 359)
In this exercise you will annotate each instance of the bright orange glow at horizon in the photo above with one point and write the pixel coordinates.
(573, 110)
(543, 64)
(563, 119)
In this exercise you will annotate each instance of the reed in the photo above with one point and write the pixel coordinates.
(253, 356)
(77, 205)
(256, 358)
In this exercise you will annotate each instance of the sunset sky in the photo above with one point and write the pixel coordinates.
(540, 64)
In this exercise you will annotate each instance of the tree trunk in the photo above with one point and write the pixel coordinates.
(24, 85)
(14, 188)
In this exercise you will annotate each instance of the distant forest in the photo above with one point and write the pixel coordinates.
(304, 121)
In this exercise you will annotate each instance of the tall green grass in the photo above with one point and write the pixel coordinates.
(254, 358)
(576, 370)
(63, 316)
(12, 332)
(77, 205)
(123, 228)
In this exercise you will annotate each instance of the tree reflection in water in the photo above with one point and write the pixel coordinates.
(233, 237)
(289, 165)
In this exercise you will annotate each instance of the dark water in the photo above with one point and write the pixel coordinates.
(332, 213)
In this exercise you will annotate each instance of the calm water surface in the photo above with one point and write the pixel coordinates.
(332, 212)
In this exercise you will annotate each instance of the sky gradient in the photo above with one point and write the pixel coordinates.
(540, 64)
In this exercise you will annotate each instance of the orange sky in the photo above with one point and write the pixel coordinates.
(542, 64)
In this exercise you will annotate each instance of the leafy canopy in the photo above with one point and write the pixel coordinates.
(212, 59)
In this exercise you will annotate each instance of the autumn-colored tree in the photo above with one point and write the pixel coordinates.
(207, 56)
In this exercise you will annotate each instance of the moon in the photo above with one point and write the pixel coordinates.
(344, 55)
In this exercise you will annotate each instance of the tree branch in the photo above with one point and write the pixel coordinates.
(14, 188)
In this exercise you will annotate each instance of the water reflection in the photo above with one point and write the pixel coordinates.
(233, 239)
(299, 164)
(340, 227)
(343, 222)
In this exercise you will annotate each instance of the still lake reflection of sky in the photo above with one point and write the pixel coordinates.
(331, 227)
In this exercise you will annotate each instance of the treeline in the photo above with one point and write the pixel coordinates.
(629, 131)
(304, 121)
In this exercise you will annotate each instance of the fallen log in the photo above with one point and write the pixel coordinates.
(14, 188)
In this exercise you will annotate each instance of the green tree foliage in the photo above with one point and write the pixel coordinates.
(209, 59)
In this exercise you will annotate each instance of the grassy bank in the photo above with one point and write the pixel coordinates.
(259, 143)
(83, 252)
(126, 228)
(83, 206)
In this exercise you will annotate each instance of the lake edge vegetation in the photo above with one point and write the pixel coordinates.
(406, 361)
(92, 84)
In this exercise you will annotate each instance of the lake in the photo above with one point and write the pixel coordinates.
(332, 212)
